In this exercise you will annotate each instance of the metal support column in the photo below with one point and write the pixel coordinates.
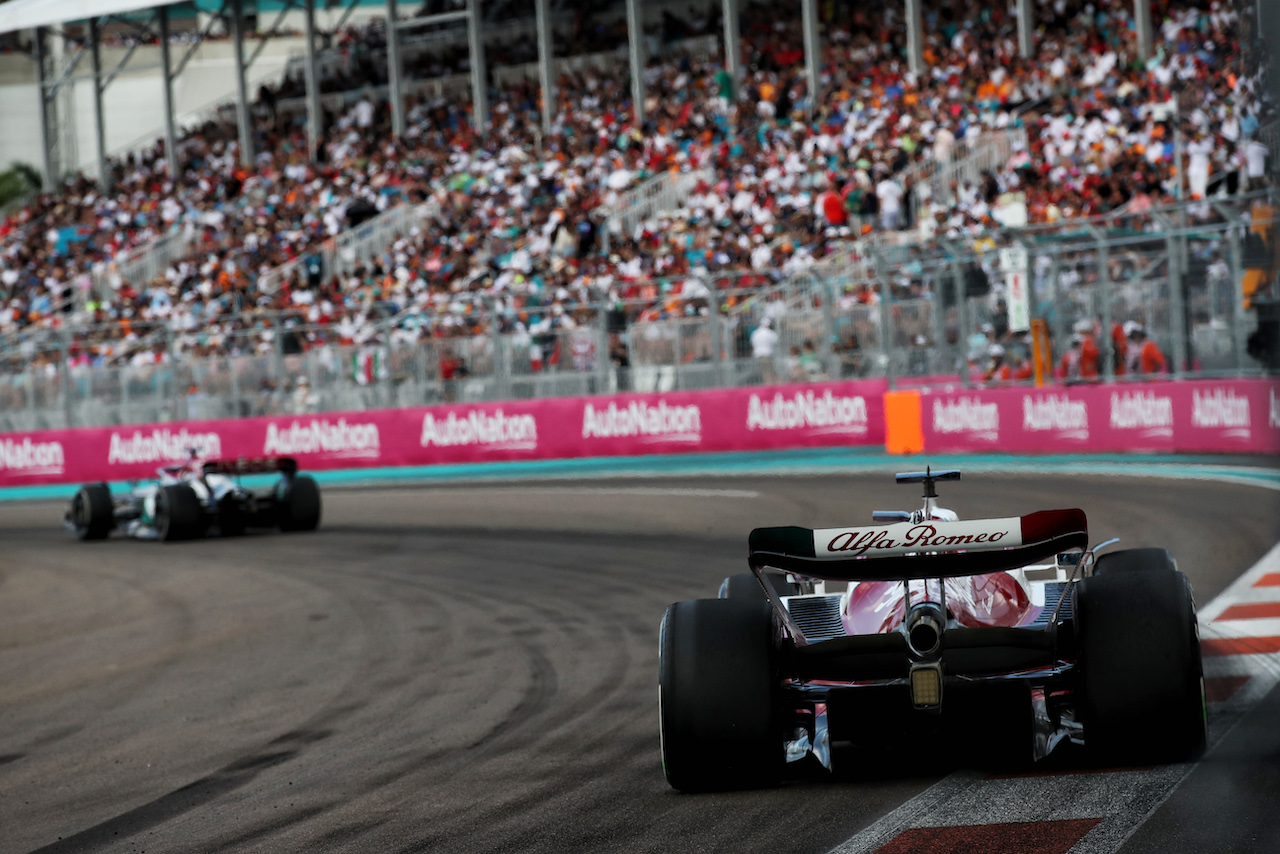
(47, 137)
(812, 53)
(636, 50)
(546, 56)
(886, 312)
(1142, 20)
(1235, 258)
(732, 44)
(166, 80)
(315, 114)
(915, 38)
(243, 119)
(395, 70)
(962, 312)
(1026, 29)
(99, 121)
(479, 80)
(1106, 344)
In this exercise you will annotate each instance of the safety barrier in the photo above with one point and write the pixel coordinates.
(1203, 416)
(819, 414)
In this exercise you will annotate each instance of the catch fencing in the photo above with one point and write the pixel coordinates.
(912, 313)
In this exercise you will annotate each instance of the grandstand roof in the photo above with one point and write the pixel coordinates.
(23, 14)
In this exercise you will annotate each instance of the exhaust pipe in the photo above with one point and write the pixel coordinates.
(924, 625)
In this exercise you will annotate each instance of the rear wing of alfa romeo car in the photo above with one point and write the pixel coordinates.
(908, 550)
(252, 465)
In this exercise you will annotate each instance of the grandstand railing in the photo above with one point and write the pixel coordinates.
(905, 313)
(140, 265)
(355, 246)
(991, 151)
(662, 192)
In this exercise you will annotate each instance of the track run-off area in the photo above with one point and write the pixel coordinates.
(472, 667)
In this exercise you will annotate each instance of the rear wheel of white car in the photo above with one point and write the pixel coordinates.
(231, 516)
(92, 513)
(717, 701)
(298, 504)
(745, 586)
(179, 515)
(1142, 681)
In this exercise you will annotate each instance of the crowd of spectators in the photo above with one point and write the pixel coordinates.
(514, 235)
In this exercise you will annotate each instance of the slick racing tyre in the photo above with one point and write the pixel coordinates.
(298, 504)
(231, 516)
(92, 513)
(179, 515)
(717, 703)
(1133, 560)
(744, 586)
(1142, 685)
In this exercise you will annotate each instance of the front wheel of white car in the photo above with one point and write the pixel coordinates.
(717, 702)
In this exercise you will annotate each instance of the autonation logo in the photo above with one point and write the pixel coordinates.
(1069, 418)
(32, 458)
(659, 422)
(322, 436)
(161, 445)
(1221, 409)
(1146, 411)
(477, 427)
(828, 413)
(967, 415)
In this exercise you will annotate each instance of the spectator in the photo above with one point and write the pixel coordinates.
(764, 341)
(1146, 358)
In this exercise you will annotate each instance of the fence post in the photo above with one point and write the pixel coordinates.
(68, 382)
(603, 360)
(1235, 254)
(886, 312)
(1177, 303)
(829, 356)
(962, 311)
(389, 382)
(1106, 346)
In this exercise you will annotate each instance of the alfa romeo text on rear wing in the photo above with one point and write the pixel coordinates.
(907, 550)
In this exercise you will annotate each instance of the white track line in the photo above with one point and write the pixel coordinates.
(1123, 799)
(676, 491)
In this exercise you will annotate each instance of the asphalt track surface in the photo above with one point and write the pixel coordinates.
(473, 669)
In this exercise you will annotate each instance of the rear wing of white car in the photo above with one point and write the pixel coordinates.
(252, 465)
(907, 550)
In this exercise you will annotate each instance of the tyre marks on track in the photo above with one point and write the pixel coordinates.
(1095, 811)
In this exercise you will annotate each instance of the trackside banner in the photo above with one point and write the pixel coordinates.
(1192, 416)
(771, 417)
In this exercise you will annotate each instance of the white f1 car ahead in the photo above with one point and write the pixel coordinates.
(1008, 636)
(189, 500)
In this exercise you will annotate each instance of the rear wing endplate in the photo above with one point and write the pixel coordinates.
(906, 550)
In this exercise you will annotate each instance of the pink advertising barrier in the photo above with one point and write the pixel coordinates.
(1192, 416)
(818, 414)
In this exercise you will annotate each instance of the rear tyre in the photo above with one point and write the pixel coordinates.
(298, 504)
(744, 586)
(92, 513)
(1142, 680)
(231, 516)
(1133, 560)
(717, 703)
(179, 515)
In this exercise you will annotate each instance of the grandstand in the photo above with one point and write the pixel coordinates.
(400, 226)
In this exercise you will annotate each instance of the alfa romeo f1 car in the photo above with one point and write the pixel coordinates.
(1010, 632)
(188, 500)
